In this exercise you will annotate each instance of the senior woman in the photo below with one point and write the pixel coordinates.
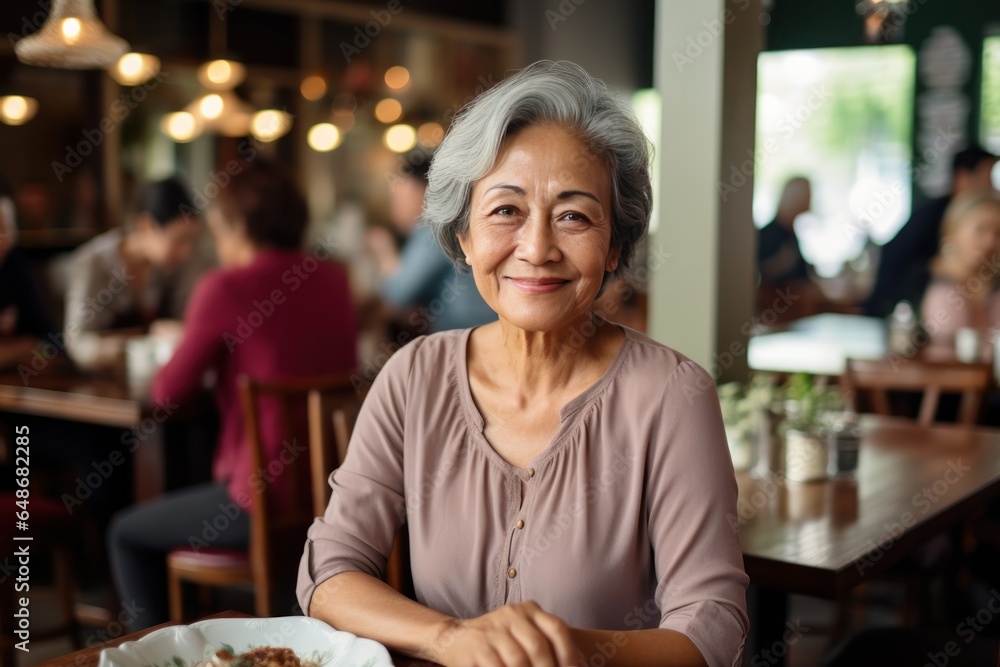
(565, 481)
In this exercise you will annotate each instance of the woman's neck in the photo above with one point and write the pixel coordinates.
(246, 254)
(546, 361)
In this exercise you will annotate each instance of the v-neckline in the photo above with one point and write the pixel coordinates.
(566, 422)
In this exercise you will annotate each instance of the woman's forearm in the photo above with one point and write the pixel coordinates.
(363, 605)
(638, 648)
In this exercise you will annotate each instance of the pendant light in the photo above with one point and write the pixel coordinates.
(17, 109)
(134, 69)
(72, 37)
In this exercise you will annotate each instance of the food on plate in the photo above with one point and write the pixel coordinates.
(261, 656)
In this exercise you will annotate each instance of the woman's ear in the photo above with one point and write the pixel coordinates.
(466, 247)
(614, 254)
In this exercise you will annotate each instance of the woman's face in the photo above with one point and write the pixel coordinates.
(977, 238)
(539, 236)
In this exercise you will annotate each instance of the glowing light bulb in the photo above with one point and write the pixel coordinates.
(323, 137)
(219, 71)
(221, 74)
(14, 107)
(211, 106)
(400, 138)
(270, 124)
(313, 87)
(135, 68)
(17, 110)
(71, 29)
(181, 126)
(388, 110)
(397, 77)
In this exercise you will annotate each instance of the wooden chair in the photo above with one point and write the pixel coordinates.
(275, 537)
(331, 420)
(877, 377)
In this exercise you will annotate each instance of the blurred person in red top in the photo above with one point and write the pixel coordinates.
(271, 311)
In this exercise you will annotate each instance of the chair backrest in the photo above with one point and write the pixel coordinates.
(877, 377)
(277, 525)
(331, 420)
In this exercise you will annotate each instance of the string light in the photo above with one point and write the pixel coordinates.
(400, 138)
(323, 137)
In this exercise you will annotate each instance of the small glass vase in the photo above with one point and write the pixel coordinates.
(770, 445)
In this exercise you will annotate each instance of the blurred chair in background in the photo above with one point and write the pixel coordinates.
(272, 314)
(875, 378)
(280, 516)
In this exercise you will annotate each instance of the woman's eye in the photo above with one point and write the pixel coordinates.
(575, 217)
(505, 211)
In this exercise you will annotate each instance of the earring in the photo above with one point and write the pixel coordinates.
(468, 261)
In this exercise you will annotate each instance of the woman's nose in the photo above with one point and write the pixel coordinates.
(537, 243)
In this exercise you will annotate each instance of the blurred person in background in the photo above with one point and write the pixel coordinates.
(422, 276)
(964, 286)
(779, 258)
(902, 271)
(307, 328)
(130, 277)
(35, 204)
(23, 320)
(784, 272)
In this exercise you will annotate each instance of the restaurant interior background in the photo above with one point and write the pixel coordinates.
(867, 99)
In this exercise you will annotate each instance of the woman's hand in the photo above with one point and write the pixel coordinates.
(515, 635)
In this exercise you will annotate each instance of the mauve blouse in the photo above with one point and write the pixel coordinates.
(619, 524)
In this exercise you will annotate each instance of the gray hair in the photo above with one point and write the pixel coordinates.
(560, 92)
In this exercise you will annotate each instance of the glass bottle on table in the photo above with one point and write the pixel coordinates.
(844, 444)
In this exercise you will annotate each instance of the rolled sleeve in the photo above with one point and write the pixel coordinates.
(367, 505)
(701, 589)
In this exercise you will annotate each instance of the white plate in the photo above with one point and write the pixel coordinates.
(315, 642)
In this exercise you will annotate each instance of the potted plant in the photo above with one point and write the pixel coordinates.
(741, 413)
(807, 410)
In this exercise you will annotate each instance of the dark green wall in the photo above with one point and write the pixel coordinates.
(809, 24)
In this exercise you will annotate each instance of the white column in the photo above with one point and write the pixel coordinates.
(702, 255)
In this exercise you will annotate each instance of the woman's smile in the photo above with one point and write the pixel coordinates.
(538, 285)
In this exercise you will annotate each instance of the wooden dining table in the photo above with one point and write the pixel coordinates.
(111, 400)
(824, 538)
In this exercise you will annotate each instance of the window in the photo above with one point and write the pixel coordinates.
(841, 117)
